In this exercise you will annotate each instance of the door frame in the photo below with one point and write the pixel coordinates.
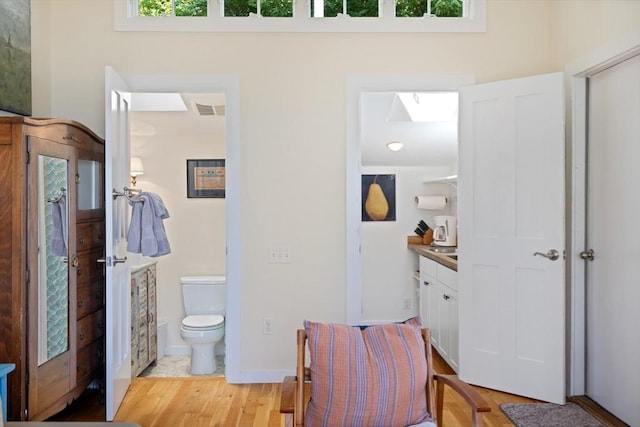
(576, 75)
(356, 84)
(230, 86)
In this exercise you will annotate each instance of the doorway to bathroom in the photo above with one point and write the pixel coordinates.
(230, 258)
(170, 133)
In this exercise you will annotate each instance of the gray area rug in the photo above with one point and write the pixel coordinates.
(548, 415)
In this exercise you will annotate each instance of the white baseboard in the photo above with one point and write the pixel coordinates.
(177, 350)
(255, 377)
(244, 377)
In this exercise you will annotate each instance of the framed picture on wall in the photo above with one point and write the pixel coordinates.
(15, 56)
(206, 178)
(379, 197)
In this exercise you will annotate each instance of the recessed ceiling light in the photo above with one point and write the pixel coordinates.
(395, 145)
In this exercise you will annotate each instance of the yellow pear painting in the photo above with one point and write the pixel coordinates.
(376, 192)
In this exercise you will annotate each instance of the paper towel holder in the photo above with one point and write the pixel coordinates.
(437, 202)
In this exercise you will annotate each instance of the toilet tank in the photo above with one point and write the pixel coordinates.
(204, 294)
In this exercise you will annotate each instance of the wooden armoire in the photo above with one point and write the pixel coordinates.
(52, 235)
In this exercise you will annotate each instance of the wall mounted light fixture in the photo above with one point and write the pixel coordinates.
(136, 169)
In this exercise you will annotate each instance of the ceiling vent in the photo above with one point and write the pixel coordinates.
(210, 110)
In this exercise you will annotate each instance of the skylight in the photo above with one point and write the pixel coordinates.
(424, 107)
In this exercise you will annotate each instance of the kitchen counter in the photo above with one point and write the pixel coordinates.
(440, 258)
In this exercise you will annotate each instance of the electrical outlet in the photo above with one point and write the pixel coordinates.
(406, 303)
(267, 326)
(279, 256)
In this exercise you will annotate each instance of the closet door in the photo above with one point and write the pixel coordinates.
(613, 201)
(51, 281)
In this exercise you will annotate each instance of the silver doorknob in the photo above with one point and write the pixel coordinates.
(551, 254)
(587, 255)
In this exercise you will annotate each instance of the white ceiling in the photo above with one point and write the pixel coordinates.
(425, 144)
(159, 114)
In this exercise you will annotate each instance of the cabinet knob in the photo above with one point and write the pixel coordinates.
(81, 238)
(446, 297)
(426, 283)
(80, 303)
(81, 336)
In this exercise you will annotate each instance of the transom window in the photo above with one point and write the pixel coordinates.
(319, 8)
(301, 15)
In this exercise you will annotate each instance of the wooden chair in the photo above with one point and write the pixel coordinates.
(294, 393)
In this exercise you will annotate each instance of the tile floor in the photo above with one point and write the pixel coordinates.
(178, 366)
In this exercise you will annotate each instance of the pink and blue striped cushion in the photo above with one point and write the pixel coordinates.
(371, 376)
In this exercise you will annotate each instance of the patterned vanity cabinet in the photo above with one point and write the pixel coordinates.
(144, 340)
(51, 284)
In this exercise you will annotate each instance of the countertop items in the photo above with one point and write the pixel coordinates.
(428, 251)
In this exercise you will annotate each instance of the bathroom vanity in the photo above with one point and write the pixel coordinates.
(51, 283)
(144, 332)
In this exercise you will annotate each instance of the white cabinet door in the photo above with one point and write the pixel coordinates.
(448, 321)
(439, 308)
(427, 295)
(444, 320)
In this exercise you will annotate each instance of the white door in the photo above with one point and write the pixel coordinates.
(511, 205)
(118, 287)
(613, 231)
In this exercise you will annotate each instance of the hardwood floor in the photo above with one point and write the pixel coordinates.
(206, 402)
(194, 402)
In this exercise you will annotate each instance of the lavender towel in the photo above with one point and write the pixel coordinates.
(59, 227)
(146, 231)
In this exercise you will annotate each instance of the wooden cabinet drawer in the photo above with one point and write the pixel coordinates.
(90, 235)
(90, 328)
(89, 358)
(90, 297)
(89, 269)
(66, 134)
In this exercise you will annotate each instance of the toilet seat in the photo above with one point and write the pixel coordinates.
(202, 322)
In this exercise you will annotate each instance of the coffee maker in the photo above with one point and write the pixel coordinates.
(445, 232)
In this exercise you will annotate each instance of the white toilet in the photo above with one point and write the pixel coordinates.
(204, 299)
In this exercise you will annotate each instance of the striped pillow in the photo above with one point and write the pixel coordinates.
(367, 376)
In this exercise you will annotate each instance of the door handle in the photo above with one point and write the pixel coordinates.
(111, 262)
(551, 254)
(587, 255)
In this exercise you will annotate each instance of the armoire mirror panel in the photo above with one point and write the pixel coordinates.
(90, 185)
(53, 277)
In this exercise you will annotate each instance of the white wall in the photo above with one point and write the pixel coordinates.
(580, 27)
(196, 227)
(293, 130)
